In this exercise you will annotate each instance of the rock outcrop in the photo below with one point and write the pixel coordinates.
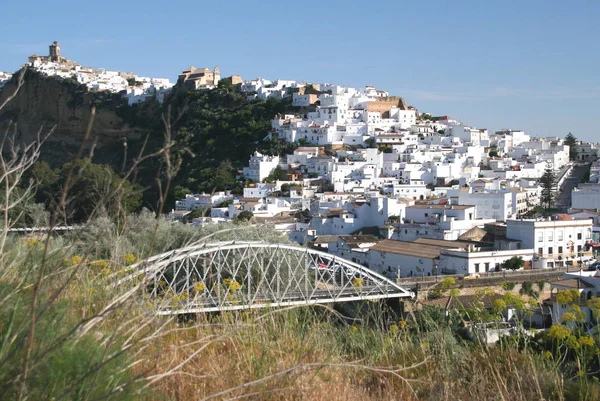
(44, 102)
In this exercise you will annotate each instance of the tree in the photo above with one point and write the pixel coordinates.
(94, 188)
(514, 263)
(493, 153)
(548, 184)
(198, 212)
(181, 192)
(572, 142)
(278, 174)
(244, 216)
(225, 203)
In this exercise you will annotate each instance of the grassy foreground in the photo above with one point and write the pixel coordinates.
(67, 332)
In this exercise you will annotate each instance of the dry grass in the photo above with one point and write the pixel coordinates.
(293, 361)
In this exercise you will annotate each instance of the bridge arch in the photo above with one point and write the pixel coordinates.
(234, 275)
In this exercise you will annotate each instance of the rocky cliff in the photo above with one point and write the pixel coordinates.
(50, 101)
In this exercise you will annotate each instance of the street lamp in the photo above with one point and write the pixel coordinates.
(435, 271)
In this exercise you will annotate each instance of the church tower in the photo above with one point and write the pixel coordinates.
(217, 75)
(55, 52)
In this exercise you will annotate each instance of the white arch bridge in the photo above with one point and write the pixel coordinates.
(234, 275)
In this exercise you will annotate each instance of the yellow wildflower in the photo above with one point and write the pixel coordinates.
(233, 285)
(129, 259)
(99, 264)
(357, 282)
(74, 260)
(586, 341)
(558, 332)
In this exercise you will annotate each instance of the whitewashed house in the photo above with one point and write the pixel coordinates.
(260, 166)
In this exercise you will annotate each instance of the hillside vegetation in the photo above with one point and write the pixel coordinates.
(212, 132)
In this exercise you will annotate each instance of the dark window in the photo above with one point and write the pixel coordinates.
(540, 251)
(477, 267)
(578, 235)
(550, 250)
(560, 249)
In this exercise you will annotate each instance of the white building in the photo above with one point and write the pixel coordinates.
(489, 204)
(4, 78)
(586, 196)
(353, 216)
(353, 247)
(437, 213)
(194, 201)
(259, 190)
(426, 257)
(260, 166)
(585, 283)
(556, 242)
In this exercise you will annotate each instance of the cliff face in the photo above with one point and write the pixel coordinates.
(48, 101)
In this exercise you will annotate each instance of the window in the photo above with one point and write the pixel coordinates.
(540, 237)
(578, 248)
(540, 251)
(588, 234)
(560, 249)
(559, 235)
(550, 236)
(477, 267)
(487, 267)
(550, 250)
(579, 235)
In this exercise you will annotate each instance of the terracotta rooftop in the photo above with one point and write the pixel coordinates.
(408, 248)
(180, 212)
(457, 207)
(572, 283)
(326, 239)
(445, 243)
(358, 239)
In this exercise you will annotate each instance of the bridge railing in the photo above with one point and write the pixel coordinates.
(237, 275)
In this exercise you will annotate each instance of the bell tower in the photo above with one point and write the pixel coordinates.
(55, 52)
(217, 75)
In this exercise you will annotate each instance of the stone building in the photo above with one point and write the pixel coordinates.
(195, 78)
(53, 55)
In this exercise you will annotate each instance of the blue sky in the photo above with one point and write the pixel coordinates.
(529, 65)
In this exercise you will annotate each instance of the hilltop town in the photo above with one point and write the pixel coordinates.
(373, 180)
(328, 202)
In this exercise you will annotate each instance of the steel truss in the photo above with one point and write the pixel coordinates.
(233, 275)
